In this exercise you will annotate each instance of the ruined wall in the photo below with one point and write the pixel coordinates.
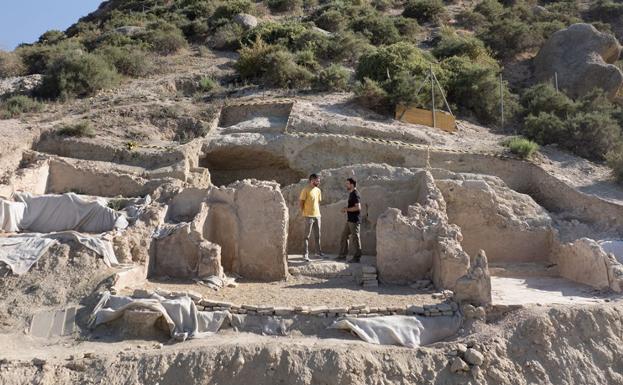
(509, 226)
(248, 219)
(586, 262)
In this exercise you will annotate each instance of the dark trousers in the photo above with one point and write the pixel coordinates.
(351, 230)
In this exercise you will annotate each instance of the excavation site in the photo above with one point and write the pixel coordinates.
(136, 266)
(314, 193)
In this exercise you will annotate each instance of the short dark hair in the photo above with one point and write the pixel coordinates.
(352, 181)
(313, 176)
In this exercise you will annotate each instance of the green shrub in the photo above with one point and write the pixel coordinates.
(227, 36)
(77, 75)
(130, 61)
(510, 36)
(189, 129)
(387, 61)
(370, 94)
(425, 10)
(333, 78)
(452, 44)
(471, 20)
(605, 10)
(291, 35)
(230, 8)
(475, 89)
(521, 146)
(377, 28)
(348, 46)
(614, 159)
(271, 65)
(207, 84)
(544, 128)
(11, 65)
(331, 20)
(544, 98)
(51, 37)
(165, 38)
(589, 127)
(38, 57)
(307, 59)
(408, 28)
(491, 9)
(17, 105)
(79, 130)
(284, 5)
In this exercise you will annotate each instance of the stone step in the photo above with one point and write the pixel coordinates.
(328, 267)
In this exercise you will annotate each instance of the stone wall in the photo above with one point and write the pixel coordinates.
(509, 226)
(248, 219)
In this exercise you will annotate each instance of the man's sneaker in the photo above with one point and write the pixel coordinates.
(355, 260)
(306, 258)
(340, 258)
(320, 255)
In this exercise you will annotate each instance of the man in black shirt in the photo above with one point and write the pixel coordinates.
(353, 222)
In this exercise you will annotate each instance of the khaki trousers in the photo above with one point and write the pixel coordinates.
(351, 230)
(312, 224)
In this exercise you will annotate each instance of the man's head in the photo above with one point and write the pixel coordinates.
(314, 180)
(351, 184)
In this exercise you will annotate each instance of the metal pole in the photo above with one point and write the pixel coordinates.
(443, 95)
(556, 80)
(432, 91)
(502, 100)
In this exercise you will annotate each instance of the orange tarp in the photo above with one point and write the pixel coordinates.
(445, 121)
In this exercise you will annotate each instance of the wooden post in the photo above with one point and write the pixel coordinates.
(556, 80)
(501, 101)
(432, 90)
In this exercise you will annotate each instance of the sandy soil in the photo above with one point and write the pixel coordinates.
(306, 291)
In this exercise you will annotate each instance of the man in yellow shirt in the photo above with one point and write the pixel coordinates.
(310, 207)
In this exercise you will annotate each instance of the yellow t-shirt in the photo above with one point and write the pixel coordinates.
(312, 197)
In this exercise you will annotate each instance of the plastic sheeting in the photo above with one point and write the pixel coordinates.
(49, 213)
(409, 331)
(180, 314)
(20, 253)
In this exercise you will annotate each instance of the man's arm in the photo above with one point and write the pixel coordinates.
(302, 205)
(355, 208)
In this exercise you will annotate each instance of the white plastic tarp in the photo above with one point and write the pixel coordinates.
(49, 213)
(20, 253)
(11, 214)
(409, 331)
(181, 314)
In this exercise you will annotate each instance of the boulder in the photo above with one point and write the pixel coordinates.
(246, 21)
(473, 357)
(129, 30)
(19, 85)
(475, 286)
(583, 57)
(458, 365)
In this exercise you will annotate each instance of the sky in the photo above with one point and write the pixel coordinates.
(23, 21)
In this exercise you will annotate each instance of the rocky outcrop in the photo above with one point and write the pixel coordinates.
(246, 21)
(475, 286)
(19, 85)
(583, 58)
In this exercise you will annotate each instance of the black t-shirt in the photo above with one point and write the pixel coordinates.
(353, 199)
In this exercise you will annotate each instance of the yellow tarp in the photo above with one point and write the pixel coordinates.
(444, 120)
